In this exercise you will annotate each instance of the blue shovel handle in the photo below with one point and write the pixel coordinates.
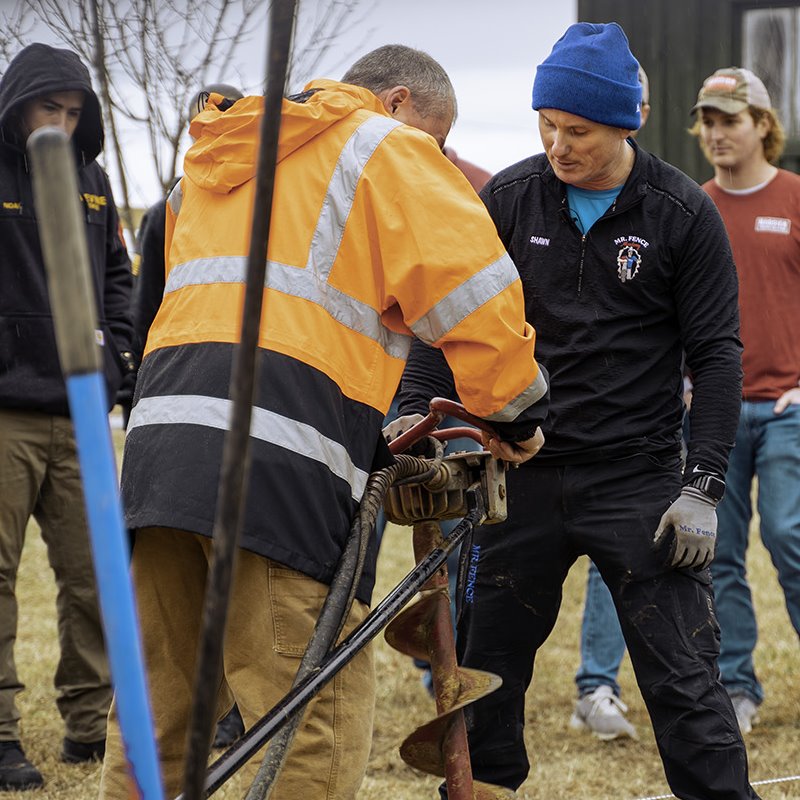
(63, 236)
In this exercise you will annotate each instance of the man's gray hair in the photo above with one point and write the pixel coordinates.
(392, 65)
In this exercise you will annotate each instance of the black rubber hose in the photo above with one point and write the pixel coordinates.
(435, 455)
(255, 738)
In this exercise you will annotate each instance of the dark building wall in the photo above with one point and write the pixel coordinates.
(679, 43)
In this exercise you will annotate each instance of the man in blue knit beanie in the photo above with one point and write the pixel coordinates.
(627, 271)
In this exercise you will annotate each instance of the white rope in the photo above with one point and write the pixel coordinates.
(753, 783)
(657, 797)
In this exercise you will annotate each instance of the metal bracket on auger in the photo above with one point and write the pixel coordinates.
(444, 495)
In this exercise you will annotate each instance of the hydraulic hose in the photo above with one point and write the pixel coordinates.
(298, 697)
(336, 607)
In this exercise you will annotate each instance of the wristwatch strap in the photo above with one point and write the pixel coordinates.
(709, 484)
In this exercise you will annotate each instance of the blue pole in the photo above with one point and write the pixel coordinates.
(87, 400)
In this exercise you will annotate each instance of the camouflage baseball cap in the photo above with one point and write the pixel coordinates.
(732, 90)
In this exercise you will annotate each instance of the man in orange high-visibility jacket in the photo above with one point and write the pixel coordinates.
(376, 238)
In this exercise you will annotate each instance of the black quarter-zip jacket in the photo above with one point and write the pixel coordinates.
(616, 312)
(30, 373)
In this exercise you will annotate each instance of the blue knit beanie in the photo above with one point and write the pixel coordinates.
(592, 73)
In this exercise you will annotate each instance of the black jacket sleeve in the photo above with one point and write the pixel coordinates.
(428, 375)
(706, 293)
(149, 289)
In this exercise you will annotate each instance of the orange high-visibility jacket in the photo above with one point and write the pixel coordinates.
(375, 238)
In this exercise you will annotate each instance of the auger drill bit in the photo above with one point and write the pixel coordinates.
(424, 630)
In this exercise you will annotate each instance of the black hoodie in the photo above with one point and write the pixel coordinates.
(30, 374)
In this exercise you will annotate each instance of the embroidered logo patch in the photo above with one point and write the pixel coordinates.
(94, 201)
(721, 83)
(773, 225)
(542, 241)
(629, 257)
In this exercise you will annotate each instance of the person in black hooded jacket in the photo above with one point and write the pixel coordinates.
(39, 473)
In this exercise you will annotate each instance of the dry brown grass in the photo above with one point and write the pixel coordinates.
(565, 763)
(572, 764)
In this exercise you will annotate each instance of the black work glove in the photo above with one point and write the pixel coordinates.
(693, 518)
(130, 366)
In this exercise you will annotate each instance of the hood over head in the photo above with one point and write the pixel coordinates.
(224, 154)
(40, 69)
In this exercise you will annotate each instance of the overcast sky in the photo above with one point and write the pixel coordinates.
(490, 48)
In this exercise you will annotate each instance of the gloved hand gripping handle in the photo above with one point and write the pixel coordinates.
(440, 408)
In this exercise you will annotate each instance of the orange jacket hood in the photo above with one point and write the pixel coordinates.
(223, 156)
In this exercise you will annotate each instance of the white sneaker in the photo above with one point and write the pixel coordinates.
(746, 712)
(603, 713)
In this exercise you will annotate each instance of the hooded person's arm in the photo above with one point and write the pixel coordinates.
(149, 289)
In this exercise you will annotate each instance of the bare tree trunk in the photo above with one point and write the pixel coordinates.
(150, 57)
(101, 73)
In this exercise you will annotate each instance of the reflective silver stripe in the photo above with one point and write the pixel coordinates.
(342, 191)
(200, 271)
(525, 398)
(296, 282)
(176, 198)
(466, 298)
(311, 283)
(267, 426)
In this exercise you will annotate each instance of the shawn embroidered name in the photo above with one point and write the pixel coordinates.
(773, 225)
(542, 240)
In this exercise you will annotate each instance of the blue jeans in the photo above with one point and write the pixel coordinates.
(602, 643)
(767, 446)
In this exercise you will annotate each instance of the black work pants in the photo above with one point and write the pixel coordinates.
(512, 595)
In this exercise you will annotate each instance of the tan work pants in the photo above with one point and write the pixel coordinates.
(271, 616)
(40, 477)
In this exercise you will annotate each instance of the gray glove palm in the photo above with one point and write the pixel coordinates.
(693, 517)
